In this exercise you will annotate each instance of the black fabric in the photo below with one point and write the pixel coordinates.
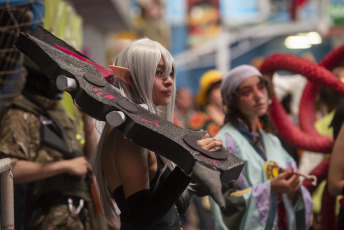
(39, 83)
(153, 208)
(183, 203)
(337, 120)
(206, 220)
(50, 139)
(340, 223)
(337, 123)
(55, 198)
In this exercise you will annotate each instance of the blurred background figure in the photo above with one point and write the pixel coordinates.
(116, 43)
(209, 115)
(26, 140)
(336, 167)
(294, 152)
(203, 21)
(184, 106)
(326, 103)
(260, 198)
(151, 22)
(202, 35)
(288, 89)
(49, 159)
(14, 19)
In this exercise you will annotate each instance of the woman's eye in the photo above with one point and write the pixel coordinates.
(245, 92)
(172, 74)
(261, 86)
(158, 72)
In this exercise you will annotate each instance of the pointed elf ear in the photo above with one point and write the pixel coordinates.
(122, 73)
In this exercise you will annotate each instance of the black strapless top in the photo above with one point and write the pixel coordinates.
(171, 220)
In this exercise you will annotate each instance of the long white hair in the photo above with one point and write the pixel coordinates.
(141, 57)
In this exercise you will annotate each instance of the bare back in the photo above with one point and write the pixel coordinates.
(127, 164)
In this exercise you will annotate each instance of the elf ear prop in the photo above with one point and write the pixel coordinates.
(122, 73)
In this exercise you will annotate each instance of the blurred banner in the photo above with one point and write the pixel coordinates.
(203, 18)
(238, 13)
(176, 11)
(335, 12)
(62, 20)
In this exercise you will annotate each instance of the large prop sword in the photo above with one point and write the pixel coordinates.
(86, 82)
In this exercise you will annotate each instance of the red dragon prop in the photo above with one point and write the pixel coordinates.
(306, 137)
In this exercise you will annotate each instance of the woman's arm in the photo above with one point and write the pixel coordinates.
(20, 142)
(336, 169)
(91, 137)
(132, 165)
(28, 171)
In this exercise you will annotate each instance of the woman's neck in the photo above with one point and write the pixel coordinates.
(251, 125)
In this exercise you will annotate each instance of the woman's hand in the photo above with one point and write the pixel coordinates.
(286, 182)
(210, 143)
(77, 166)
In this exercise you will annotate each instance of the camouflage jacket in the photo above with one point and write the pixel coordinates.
(21, 138)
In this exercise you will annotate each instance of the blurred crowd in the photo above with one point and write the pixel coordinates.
(52, 144)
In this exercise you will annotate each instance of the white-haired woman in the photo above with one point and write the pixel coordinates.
(257, 200)
(146, 187)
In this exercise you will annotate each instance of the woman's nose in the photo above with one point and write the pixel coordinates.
(257, 93)
(168, 81)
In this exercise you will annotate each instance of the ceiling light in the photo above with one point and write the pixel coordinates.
(297, 42)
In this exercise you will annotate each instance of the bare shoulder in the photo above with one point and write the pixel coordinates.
(120, 146)
(124, 162)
